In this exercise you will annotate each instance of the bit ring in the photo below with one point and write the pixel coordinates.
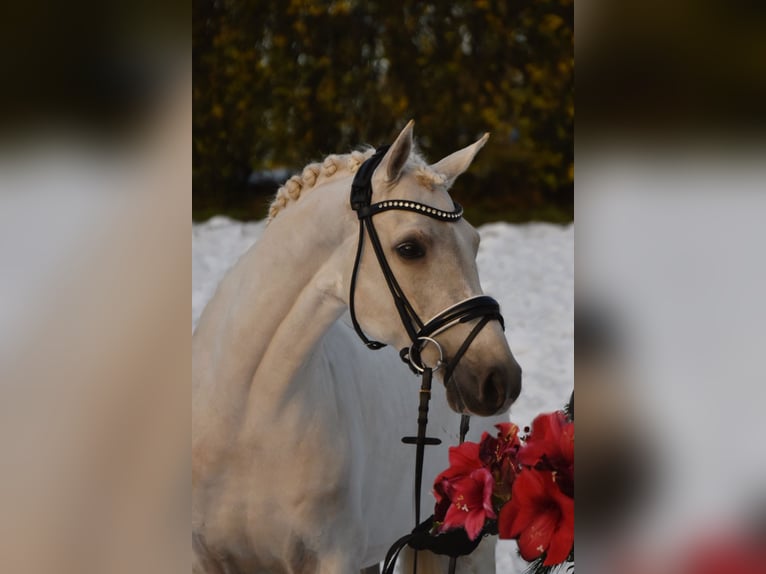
(418, 364)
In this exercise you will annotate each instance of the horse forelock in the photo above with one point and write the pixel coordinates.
(336, 165)
(425, 176)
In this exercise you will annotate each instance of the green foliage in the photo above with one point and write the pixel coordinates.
(282, 83)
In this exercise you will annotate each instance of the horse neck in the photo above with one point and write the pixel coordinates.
(271, 309)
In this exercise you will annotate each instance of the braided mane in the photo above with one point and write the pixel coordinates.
(334, 165)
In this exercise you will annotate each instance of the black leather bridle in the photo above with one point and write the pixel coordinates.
(420, 333)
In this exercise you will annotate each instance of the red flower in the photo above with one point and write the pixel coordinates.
(550, 446)
(463, 459)
(541, 516)
(499, 455)
(493, 450)
(470, 502)
(529, 482)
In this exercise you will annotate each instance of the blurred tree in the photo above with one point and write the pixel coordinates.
(280, 83)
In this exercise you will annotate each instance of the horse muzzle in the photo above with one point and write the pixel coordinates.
(484, 390)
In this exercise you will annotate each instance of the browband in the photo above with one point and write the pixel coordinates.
(361, 195)
(407, 205)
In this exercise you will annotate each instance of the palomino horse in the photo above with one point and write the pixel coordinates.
(297, 461)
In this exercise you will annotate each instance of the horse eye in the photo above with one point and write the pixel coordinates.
(410, 250)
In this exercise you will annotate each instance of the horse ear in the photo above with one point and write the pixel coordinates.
(400, 150)
(456, 163)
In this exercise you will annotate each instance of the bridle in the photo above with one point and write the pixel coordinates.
(421, 333)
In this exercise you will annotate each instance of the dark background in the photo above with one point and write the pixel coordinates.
(280, 84)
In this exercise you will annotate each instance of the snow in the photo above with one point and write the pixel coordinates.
(528, 268)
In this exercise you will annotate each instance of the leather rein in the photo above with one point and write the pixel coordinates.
(421, 334)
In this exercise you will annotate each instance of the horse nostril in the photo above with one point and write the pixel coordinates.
(501, 385)
(493, 391)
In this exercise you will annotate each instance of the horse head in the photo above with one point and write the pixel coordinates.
(433, 262)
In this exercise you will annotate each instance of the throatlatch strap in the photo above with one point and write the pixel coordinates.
(351, 306)
(361, 196)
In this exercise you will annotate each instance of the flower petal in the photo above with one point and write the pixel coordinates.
(516, 516)
(487, 484)
(567, 441)
(455, 518)
(561, 544)
(536, 538)
(563, 538)
(464, 458)
(474, 524)
(508, 433)
(540, 516)
(507, 520)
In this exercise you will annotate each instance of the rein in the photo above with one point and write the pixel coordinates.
(421, 334)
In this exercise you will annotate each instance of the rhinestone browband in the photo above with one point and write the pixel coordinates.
(412, 206)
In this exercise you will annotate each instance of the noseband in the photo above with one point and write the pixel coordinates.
(421, 334)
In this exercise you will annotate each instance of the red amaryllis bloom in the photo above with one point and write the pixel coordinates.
(470, 502)
(464, 459)
(541, 516)
(492, 450)
(550, 446)
(499, 455)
